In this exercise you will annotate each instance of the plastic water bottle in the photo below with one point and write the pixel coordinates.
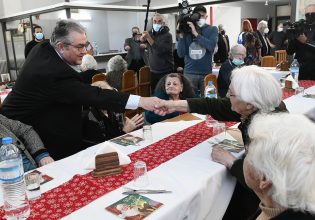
(294, 69)
(210, 90)
(15, 200)
(95, 48)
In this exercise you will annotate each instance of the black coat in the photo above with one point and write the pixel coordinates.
(223, 49)
(49, 95)
(224, 77)
(265, 49)
(305, 54)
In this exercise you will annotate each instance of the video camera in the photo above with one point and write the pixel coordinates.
(297, 28)
(185, 14)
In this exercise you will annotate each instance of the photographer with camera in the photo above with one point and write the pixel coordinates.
(302, 42)
(136, 57)
(160, 49)
(196, 43)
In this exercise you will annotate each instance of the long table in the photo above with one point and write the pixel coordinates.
(201, 188)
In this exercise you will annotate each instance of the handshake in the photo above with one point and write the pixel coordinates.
(163, 107)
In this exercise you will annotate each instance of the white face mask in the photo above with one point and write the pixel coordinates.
(266, 31)
(280, 29)
(201, 22)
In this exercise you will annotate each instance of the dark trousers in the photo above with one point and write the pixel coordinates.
(135, 65)
(155, 78)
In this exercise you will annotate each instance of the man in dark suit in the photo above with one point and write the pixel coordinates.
(223, 46)
(136, 57)
(49, 93)
(262, 31)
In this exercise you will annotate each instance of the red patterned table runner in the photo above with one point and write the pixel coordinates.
(304, 83)
(83, 189)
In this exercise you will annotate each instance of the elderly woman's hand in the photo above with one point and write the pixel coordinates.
(45, 160)
(133, 123)
(222, 156)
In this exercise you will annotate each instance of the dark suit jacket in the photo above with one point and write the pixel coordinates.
(265, 49)
(129, 57)
(49, 95)
(223, 49)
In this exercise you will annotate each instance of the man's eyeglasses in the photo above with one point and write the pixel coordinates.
(80, 47)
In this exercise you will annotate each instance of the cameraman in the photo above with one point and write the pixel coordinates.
(197, 47)
(304, 52)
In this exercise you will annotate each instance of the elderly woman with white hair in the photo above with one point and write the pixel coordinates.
(116, 67)
(262, 32)
(252, 90)
(88, 68)
(236, 59)
(280, 166)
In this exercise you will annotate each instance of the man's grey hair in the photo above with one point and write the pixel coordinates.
(262, 25)
(88, 63)
(256, 86)
(220, 26)
(116, 63)
(159, 15)
(282, 150)
(62, 32)
(236, 49)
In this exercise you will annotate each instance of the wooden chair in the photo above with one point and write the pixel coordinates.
(268, 61)
(144, 82)
(211, 77)
(129, 85)
(98, 77)
(280, 55)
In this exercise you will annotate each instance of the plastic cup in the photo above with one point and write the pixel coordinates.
(147, 133)
(32, 181)
(140, 174)
(219, 128)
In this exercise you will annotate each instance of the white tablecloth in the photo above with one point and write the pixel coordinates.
(301, 105)
(201, 188)
(277, 74)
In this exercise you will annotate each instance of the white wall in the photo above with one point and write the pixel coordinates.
(232, 26)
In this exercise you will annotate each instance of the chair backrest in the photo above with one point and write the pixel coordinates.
(98, 77)
(268, 61)
(144, 88)
(280, 55)
(128, 82)
(211, 77)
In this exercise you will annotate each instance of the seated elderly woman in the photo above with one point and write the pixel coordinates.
(101, 125)
(280, 166)
(116, 67)
(88, 68)
(26, 139)
(252, 90)
(236, 59)
(173, 86)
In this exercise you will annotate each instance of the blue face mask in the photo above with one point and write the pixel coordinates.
(238, 62)
(156, 27)
(39, 36)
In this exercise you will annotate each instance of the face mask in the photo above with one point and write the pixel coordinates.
(310, 18)
(223, 32)
(237, 62)
(266, 31)
(134, 34)
(280, 29)
(201, 22)
(156, 27)
(39, 36)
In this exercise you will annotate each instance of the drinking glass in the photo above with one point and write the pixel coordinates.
(147, 133)
(219, 128)
(140, 174)
(299, 90)
(210, 121)
(32, 181)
